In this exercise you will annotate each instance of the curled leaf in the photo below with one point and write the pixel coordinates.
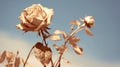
(8, 65)
(42, 53)
(2, 56)
(87, 30)
(74, 39)
(54, 37)
(61, 32)
(77, 49)
(60, 49)
(75, 22)
(10, 57)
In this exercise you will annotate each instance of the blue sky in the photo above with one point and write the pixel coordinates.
(101, 50)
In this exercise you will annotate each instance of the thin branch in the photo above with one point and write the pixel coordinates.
(79, 28)
(52, 65)
(28, 56)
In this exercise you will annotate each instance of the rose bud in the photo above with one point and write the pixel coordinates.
(89, 21)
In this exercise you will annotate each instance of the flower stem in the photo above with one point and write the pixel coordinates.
(28, 56)
(79, 28)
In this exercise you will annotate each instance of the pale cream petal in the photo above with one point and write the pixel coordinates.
(61, 32)
(89, 19)
(19, 26)
(54, 37)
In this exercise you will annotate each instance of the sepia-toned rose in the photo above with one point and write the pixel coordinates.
(35, 18)
(89, 21)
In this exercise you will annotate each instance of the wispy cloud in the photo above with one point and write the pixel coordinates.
(13, 44)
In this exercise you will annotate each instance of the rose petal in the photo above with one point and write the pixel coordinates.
(19, 26)
(89, 19)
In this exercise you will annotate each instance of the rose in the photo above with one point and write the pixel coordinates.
(35, 18)
(89, 21)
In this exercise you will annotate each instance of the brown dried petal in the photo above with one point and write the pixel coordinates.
(2, 56)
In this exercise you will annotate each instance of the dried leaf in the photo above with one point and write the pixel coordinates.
(42, 53)
(77, 49)
(2, 57)
(39, 45)
(74, 39)
(8, 65)
(87, 30)
(60, 49)
(48, 57)
(17, 62)
(10, 56)
(54, 37)
(61, 32)
(75, 22)
(58, 32)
